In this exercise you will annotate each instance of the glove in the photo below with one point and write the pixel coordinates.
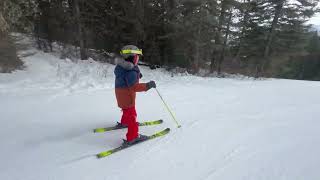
(140, 76)
(151, 84)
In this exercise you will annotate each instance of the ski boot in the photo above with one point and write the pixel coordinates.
(136, 140)
(120, 126)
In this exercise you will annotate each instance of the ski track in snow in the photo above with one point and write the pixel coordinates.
(231, 128)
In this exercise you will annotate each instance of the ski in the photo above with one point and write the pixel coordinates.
(147, 123)
(124, 146)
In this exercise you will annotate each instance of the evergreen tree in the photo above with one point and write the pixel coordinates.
(313, 46)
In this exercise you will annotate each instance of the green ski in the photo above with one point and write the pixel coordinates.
(124, 146)
(147, 123)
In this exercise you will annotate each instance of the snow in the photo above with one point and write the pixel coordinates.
(231, 128)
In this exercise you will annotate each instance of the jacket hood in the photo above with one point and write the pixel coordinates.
(124, 64)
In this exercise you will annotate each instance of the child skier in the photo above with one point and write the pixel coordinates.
(126, 85)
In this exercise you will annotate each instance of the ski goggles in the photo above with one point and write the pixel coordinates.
(129, 51)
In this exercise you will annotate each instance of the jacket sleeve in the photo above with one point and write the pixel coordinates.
(132, 81)
(131, 78)
(139, 87)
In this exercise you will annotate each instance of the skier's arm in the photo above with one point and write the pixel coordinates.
(133, 82)
(139, 87)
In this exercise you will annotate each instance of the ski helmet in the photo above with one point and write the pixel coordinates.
(130, 50)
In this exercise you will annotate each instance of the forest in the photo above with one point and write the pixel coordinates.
(258, 38)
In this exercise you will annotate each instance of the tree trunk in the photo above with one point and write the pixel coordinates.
(197, 51)
(218, 42)
(83, 51)
(3, 25)
(273, 27)
(172, 4)
(9, 60)
(212, 63)
(222, 54)
(221, 21)
(264, 61)
(139, 12)
(243, 29)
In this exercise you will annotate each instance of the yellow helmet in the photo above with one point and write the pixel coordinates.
(130, 50)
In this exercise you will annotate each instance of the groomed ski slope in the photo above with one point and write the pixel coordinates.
(232, 128)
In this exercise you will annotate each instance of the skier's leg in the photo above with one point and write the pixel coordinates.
(124, 118)
(133, 127)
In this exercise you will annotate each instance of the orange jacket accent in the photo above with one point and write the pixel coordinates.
(126, 97)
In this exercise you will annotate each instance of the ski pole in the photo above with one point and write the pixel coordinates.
(173, 117)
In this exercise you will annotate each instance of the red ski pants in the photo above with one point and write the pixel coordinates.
(129, 118)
